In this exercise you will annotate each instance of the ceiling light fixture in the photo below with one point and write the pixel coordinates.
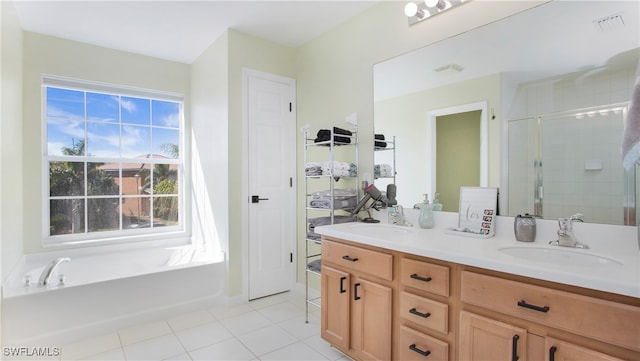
(417, 12)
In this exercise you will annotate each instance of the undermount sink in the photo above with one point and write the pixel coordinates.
(559, 256)
(381, 230)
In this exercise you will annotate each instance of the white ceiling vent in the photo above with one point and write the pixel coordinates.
(449, 68)
(609, 23)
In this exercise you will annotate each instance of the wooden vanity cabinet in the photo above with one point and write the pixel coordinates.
(357, 300)
(543, 312)
(482, 338)
(380, 304)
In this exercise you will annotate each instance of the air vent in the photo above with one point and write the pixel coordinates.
(609, 23)
(449, 68)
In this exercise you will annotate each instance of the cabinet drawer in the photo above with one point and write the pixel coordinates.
(607, 321)
(414, 345)
(425, 312)
(372, 262)
(425, 276)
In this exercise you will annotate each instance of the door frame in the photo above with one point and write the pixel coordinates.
(484, 140)
(291, 202)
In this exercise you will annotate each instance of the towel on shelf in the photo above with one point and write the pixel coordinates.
(337, 194)
(323, 221)
(315, 266)
(631, 134)
(344, 136)
(325, 203)
(313, 169)
(379, 144)
(382, 171)
(339, 169)
(378, 136)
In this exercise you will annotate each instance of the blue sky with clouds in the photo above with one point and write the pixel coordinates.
(114, 126)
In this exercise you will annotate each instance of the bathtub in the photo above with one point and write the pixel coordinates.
(105, 289)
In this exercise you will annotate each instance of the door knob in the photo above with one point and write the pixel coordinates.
(257, 199)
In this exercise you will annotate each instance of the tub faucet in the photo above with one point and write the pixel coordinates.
(566, 238)
(48, 271)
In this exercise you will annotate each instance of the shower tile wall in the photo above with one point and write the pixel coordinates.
(569, 141)
(568, 145)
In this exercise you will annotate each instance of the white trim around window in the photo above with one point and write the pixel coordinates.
(112, 163)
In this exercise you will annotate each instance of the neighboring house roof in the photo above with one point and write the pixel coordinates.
(137, 166)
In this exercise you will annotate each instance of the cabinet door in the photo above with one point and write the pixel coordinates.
(371, 320)
(482, 338)
(563, 351)
(335, 307)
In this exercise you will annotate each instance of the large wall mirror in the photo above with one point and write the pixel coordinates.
(534, 104)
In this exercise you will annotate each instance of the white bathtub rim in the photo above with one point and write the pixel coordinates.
(13, 284)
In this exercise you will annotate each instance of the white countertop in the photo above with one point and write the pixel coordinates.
(618, 243)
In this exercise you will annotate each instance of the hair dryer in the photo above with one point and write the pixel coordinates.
(371, 192)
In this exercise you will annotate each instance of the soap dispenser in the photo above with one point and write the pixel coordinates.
(437, 206)
(426, 213)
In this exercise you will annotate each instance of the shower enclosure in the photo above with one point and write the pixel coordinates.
(569, 162)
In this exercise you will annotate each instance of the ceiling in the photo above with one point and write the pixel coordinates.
(556, 38)
(182, 30)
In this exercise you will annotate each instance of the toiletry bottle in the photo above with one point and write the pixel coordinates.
(426, 213)
(437, 206)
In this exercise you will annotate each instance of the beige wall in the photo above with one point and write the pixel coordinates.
(406, 118)
(210, 154)
(59, 57)
(223, 63)
(11, 140)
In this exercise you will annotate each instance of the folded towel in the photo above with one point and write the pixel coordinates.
(379, 144)
(325, 203)
(315, 266)
(382, 170)
(378, 136)
(631, 134)
(323, 221)
(337, 194)
(325, 135)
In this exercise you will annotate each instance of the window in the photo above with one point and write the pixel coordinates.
(113, 159)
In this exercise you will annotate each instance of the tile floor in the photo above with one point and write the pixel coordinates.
(271, 328)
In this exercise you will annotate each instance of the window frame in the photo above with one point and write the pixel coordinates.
(121, 235)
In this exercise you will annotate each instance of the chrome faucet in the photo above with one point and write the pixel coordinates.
(396, 214)
(48, 271)
(566, 238)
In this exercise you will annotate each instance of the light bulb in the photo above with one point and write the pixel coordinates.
(411, 9)
(431, 3)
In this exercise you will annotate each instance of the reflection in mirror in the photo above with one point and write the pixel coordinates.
(556, 97)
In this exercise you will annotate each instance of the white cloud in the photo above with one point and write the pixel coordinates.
(128, 105)
(172, 120)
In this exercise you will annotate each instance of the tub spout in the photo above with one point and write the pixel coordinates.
(46, 273)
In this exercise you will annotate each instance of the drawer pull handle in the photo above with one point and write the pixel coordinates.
(355, 292)
(342, 279)
(420, 278)
(552, 353)
(514, 348)
(349, 259)
(418, 313)
(523, 303)
(414, 348)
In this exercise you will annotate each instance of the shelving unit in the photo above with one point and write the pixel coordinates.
(326, 182)
(389, 153)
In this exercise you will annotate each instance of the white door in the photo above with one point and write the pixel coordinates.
(271, 128)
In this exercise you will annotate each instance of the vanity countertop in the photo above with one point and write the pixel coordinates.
(614, 267)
